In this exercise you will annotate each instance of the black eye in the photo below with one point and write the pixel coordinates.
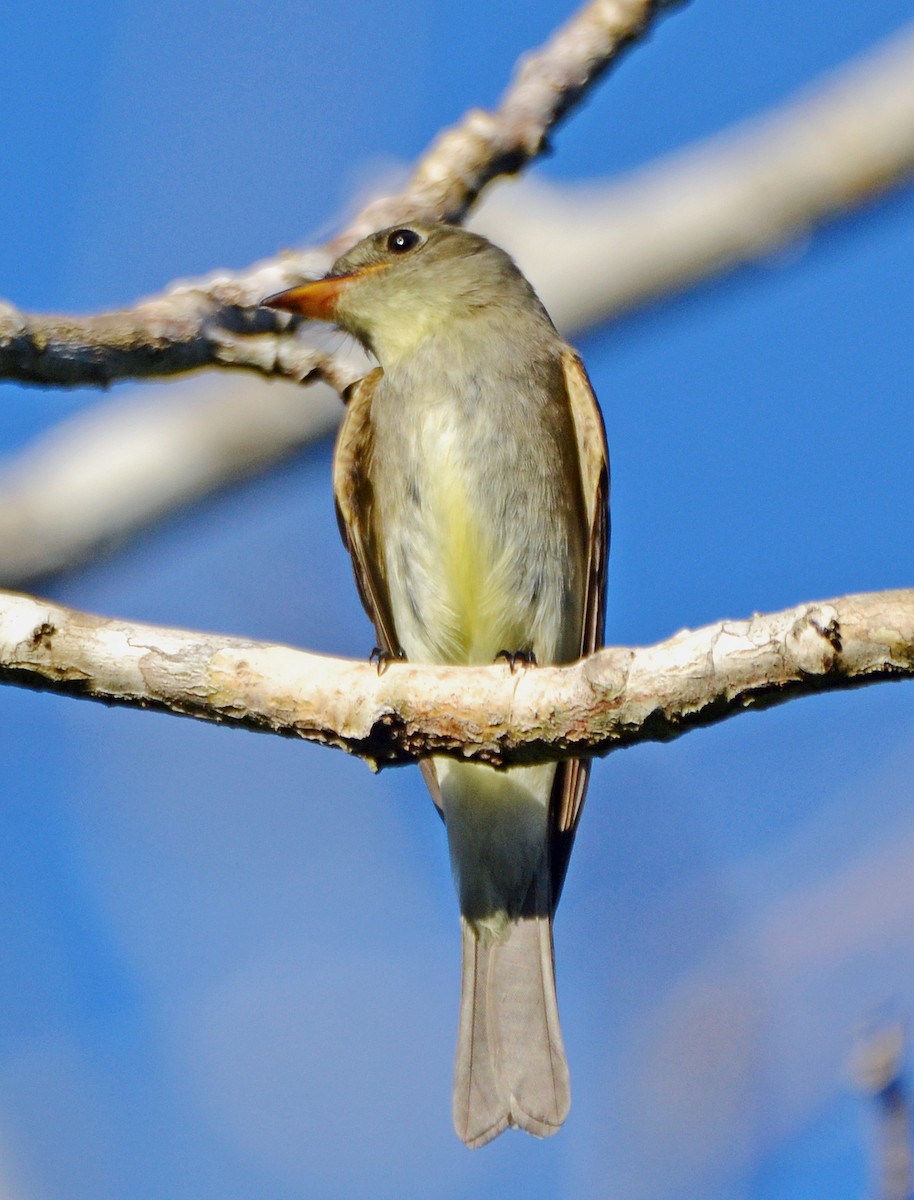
(402, 240)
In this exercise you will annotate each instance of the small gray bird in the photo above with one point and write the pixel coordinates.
(471, 483)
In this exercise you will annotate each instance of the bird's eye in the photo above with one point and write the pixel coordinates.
(402, 240)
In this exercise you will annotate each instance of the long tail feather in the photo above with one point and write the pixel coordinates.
(511, 1068)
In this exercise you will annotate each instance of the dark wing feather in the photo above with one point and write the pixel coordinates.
(355, 509)
(570, 783)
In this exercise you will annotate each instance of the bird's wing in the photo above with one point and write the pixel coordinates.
(355, 509)
(571, 777)
(355, 512)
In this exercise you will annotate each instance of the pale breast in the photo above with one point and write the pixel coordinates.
(478, 502)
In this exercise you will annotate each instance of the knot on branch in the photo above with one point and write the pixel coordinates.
(814, 641)
(42, 636)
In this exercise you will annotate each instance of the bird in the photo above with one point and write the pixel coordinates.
(471, 481)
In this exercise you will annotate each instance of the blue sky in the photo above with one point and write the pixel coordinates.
(230, 961)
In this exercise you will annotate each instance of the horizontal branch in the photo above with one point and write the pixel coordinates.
(184, 330)
(215, 322)
(95, 478)
(618, 697)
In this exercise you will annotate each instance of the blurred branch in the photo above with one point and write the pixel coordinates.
(590, 252)
(616, 698)
(216, 322)
(595, 252)
(485, 145)
(878, 1067)
(101, 475)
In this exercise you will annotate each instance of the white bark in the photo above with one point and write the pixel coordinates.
(615, 698)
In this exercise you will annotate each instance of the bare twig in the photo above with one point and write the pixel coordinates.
(548, 83)
(590, 252)
(215, 322)
(593, 252)
(188, 328)
(690, 216)
(616, 698)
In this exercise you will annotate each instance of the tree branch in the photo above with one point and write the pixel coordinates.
(216, 322)
(186, 329)
(593, 252)
(590, 252)
(92, 480)
(699, 212)
(878, 1069)
(547, 84)
(618, 697)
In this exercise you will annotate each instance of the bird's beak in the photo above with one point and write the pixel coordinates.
(317, 301)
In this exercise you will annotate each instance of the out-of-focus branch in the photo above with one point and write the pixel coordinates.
(593, 252)
(484, 145)
(215, 322)
(878, 1068)
(617, 697)
(99, 476)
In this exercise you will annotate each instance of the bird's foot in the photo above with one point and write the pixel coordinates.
(383, 658)
(516, 658)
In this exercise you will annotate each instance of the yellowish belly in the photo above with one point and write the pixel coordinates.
(462, 578)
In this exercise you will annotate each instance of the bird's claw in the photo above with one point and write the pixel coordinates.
(383, 658)
(516, 658)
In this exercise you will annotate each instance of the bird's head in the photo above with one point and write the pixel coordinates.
(403, 284)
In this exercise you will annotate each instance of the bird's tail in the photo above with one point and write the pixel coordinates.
(511, 1067)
